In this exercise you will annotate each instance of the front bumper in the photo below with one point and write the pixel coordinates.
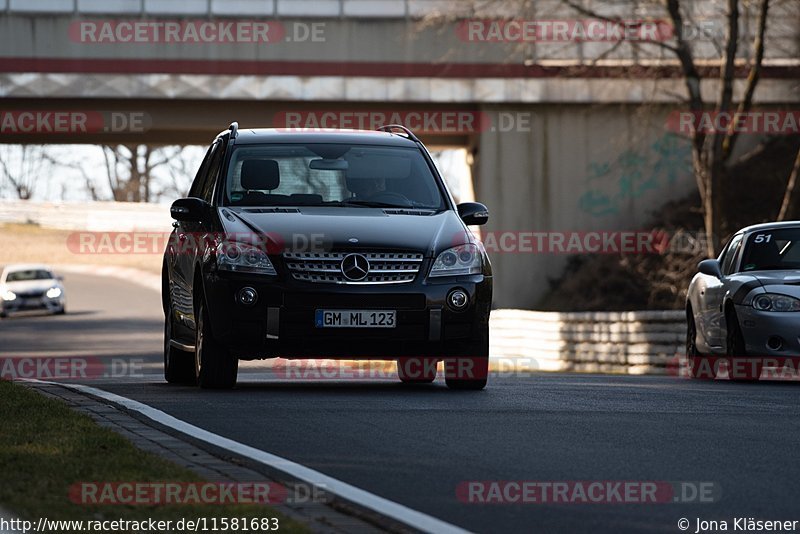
(282, 321)
(761, 329)
(32, 303)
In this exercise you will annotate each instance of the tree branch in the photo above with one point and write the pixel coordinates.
(752, 79)
(789, 196)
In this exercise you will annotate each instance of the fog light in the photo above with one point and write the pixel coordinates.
(458, 299)
(248, 296)
(775, 343)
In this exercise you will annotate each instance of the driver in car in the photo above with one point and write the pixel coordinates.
(366, 188)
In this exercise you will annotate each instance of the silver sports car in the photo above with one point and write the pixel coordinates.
(744, 307)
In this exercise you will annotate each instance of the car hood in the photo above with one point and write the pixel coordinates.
(337, 227)
(787, 281)
(31, 285)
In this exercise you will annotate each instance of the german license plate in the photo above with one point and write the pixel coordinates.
(356, 319)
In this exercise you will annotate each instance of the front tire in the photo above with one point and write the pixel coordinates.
(469, 372)
(178, 364)
(700, 366)
(478, 366)
(740, 367)
(215, 367)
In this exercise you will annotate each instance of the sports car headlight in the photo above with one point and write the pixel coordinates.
(776, 302)
(54, 292)
(241, 257)
(9, 295)
(464, 259)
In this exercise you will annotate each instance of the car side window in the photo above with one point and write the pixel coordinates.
(197, 185)
(215, 162)
(731, 254)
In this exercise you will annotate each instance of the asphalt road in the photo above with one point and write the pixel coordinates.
(415, 445)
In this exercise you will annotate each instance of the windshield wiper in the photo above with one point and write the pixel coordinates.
(372, 204)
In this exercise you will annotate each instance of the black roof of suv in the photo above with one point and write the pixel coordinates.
(250, 136)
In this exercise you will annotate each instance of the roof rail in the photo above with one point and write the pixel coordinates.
(234, 129)
(389, 128)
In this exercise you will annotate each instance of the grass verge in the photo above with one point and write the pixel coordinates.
(46, 447)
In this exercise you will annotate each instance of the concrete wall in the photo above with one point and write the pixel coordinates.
(89, 216)
(576, 169)
(648, 342)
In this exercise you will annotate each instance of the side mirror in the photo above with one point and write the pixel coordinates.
(710, 268)
(473, 213)
(188, 209)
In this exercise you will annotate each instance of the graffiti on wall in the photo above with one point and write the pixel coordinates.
(633, 173)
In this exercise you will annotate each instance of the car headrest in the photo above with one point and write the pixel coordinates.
(260, 175)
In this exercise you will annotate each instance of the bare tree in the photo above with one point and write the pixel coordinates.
(23, 169)
(713, 152)
(791, 198)
(178, 173)
(129, 169)
(135, 173)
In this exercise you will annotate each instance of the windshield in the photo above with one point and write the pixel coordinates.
(772, 249)
(24, 276)
(331, 175)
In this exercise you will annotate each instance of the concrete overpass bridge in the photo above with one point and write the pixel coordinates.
(551, 139)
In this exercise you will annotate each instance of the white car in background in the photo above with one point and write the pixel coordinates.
(30, 287)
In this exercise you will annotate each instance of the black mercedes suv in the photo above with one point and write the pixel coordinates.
(338, 245)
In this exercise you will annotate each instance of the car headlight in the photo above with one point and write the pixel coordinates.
(54, 292)
(9, 295)
(776, 302)
(241, 257)
(464, 259)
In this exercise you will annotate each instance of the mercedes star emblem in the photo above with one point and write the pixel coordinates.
(355, 267)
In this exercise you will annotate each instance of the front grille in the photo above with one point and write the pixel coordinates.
(326, 267)
(35, 294)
